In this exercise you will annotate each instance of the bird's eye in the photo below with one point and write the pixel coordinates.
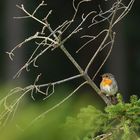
(106, 76)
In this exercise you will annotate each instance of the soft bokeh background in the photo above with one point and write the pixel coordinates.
(124, 63)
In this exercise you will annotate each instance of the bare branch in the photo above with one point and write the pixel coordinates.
(92, 39)
(108, 54)
(102, 136)
(78, 28)
(35, 36)
(62, 81)
(48, 39)
(97, 51)
(40, 5)
(125, 12)
(30, 15)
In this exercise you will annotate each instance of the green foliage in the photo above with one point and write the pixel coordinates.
(88, 121)
(117, 121)
(48, 127)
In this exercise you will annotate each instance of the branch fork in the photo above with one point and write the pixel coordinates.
(52, 40)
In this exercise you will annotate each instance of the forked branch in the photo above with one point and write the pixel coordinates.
(49, 41)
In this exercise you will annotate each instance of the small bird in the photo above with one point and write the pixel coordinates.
(109, 86)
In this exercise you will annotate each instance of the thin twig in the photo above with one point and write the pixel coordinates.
(92, 39)
(57, 105)
(108, 54)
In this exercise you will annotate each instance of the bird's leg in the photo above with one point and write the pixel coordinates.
(113, 99)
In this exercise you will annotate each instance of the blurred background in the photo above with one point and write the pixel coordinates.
(124, 62)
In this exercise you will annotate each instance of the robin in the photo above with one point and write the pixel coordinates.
(109, 87)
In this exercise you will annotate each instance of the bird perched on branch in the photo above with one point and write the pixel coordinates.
(109, 87)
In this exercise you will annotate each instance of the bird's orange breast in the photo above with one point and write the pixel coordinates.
(106, 82)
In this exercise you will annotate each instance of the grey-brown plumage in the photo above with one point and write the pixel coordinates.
(109, 87)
